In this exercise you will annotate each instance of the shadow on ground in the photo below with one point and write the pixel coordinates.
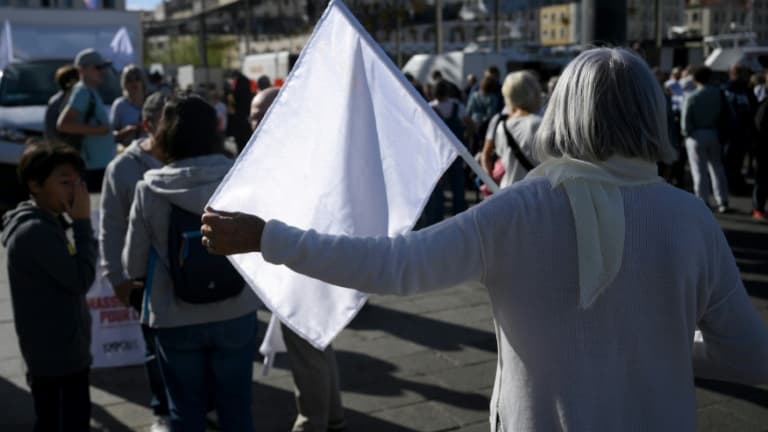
(427, 332)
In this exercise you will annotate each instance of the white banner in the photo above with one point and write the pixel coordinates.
(116, 338)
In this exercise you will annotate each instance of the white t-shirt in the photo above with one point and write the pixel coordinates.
(523, 130)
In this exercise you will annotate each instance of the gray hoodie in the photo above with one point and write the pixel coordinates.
(120, 180)
(49, 278)
(189, 184)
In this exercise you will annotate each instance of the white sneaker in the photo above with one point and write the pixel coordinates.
(160, 425)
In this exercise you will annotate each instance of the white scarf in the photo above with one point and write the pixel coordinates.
(598, 212)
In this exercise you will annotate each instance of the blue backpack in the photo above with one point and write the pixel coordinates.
(198, 277)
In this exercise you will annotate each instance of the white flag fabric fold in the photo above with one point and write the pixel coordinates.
(348, 147)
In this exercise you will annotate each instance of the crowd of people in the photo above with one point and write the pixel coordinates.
(154, 156)
(718, 131)
(578, 165)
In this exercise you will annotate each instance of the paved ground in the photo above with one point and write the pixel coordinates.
(422, 363)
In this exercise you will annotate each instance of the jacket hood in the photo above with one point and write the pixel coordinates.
(189, 183)
(15, 218)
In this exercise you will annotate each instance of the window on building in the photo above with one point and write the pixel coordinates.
(108, 4)
(562, 33)
(695, 17)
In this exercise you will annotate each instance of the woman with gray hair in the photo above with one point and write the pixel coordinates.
(598, 272)
(125, 114)
(515, 131)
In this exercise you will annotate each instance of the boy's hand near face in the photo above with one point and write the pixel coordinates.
(81, 204)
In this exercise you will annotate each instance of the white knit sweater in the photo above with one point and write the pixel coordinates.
(627, 362)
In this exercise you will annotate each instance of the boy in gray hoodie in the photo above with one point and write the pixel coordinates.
(120, 180)
(49, 276)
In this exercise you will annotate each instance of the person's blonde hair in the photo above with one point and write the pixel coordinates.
(132, 72)
(522, 90)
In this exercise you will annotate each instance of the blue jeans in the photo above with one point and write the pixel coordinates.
(203, 359)
(159, 402)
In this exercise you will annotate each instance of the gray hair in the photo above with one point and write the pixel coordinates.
(153, 107)
(522, 90)
(606, 102)
(132, 72)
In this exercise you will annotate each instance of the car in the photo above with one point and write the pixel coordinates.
(25, 88)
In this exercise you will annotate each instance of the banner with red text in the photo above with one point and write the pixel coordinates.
(115, 328)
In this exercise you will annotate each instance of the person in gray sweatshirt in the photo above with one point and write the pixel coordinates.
(49, 277)
(206, 348)
(120, 180)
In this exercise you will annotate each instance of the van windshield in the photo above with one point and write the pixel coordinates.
(32, 83)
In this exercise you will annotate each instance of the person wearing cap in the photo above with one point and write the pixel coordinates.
(86, 119)
(120, 180)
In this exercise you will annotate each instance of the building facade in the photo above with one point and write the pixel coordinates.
(65, 4)
(641, 18)
(712, 17)
(559, 24)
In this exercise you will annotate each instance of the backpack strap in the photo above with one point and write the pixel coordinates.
(151, 264)
(512, 142)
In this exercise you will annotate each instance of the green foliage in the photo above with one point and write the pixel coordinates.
(185, 50)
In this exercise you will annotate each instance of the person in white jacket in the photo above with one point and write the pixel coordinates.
(598, 272)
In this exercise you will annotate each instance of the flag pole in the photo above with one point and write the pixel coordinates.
(477, 169)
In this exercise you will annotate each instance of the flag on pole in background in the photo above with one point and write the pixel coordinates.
(121, 51)
(6, 45)
(348, 147)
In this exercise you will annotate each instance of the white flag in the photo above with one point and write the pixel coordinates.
(348, 147)
(121, 49)
(6, 45)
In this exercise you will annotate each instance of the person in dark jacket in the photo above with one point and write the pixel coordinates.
(760, 191)
(238, 124)
(742, 106)
(49, 276)
(66, 78)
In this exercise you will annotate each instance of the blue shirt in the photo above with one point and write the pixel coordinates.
(97, 150)
(123, 114)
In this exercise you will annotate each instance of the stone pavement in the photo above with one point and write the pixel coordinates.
(423, 363)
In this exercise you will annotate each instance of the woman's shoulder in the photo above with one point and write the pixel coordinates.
(119, 102)
(526, 194)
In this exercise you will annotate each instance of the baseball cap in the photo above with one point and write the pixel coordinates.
(90, 57)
